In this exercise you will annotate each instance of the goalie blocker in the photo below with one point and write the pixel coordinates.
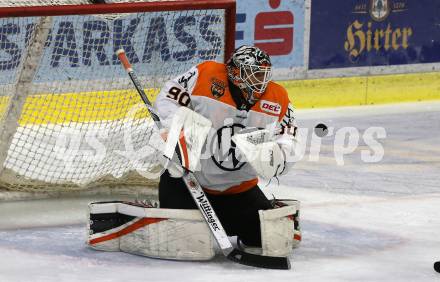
(181, 234)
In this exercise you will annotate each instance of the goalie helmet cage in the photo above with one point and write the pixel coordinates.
(69, 117)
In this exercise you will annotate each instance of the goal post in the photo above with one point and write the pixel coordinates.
(69, 117)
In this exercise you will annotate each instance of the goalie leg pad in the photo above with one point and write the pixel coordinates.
(280, 229)
(153, 232)
(277, 203)
(102, 224)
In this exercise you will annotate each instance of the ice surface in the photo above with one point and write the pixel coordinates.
(360, 221)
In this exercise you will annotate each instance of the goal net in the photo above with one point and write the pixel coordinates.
(69, 116)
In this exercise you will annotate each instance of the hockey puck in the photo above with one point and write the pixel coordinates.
(321, 130)
(437, 266)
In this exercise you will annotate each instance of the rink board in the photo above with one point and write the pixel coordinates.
(313, 93)
(363, 90)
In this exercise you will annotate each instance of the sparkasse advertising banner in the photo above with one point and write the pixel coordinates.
(85, 46)
(276, 26)
(374, 33)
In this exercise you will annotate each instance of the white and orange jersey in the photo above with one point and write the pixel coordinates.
(205, 89)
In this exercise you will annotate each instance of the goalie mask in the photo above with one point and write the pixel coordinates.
(250, 69)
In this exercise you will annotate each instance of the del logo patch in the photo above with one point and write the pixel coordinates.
(270, 107)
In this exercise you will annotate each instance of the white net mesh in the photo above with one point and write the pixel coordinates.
(73, 120)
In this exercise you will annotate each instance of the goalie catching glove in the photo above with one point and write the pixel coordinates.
(268, 158)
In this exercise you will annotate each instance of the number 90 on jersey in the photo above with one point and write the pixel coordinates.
(182, 97)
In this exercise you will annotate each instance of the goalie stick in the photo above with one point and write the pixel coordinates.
(200, 198)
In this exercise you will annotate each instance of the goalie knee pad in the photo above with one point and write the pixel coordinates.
(153, 232)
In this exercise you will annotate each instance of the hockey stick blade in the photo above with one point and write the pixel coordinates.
(259, 261)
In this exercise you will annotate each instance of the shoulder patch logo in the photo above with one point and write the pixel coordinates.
(217, 88)
(270, 107)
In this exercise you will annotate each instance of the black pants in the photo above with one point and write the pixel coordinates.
(238, 213)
